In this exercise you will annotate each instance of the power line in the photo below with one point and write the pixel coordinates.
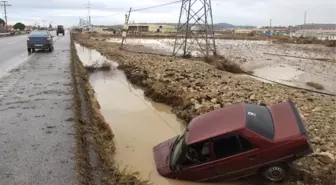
(156, 6)
(5, 4)
(145, 8)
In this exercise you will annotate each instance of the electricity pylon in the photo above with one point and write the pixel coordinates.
(195, 25)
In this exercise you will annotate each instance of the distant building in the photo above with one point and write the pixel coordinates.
(317, 26)
(318, 31)
(152, 28)
(28, 28)
(242, 31)
(10, 27)
(106, 29)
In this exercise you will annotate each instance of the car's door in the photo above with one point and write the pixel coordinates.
(235, 157)
(201, 171)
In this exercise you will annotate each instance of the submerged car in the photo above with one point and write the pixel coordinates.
(234, 142)
(40, 39)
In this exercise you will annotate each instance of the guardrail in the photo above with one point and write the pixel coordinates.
(11, 34)
(4, 34)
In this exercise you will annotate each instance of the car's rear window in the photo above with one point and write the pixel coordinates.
(60, 27)
(259, 120)
(38, 33)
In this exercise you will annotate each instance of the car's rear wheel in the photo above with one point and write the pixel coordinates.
(50, 49)
(275, 173)
(29, 50)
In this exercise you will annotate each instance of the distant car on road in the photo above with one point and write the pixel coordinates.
(60, 30)
(235, 142)
(40, 39)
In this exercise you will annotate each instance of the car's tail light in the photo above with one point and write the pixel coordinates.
(47, 38)
(28, 38)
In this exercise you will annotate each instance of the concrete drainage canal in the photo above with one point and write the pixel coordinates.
(137, 122)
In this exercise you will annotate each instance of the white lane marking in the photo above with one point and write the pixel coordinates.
(12, 43)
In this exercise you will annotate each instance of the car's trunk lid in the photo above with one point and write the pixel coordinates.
(287, 120)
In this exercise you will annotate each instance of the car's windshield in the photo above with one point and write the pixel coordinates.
(177, 150)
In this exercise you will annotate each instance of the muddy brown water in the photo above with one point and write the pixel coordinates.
(137, 122)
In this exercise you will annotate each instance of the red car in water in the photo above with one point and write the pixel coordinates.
(235, 142)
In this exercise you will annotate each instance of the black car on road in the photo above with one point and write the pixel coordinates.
(60, 30)
(40, 39)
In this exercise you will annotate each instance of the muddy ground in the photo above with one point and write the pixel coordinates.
(290, 64)
(194, 88)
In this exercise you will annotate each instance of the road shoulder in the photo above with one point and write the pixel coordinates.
(36, 127)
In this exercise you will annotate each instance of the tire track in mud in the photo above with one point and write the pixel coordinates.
(8, 82)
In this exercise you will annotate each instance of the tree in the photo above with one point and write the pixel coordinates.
(50, 26)
(2, 22)
(19, 26)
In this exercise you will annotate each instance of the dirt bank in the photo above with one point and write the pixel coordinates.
(95, 147)
(193, 88)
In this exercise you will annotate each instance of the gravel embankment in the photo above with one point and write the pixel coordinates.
(194, 88)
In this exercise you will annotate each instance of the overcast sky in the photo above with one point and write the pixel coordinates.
(237, 12)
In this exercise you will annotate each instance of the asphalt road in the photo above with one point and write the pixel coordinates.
(37, 145)
(13, 52)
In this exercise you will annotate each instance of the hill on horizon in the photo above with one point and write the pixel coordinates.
(217, 26)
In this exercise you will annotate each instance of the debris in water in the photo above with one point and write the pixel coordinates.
(105, 66)
(315, 85)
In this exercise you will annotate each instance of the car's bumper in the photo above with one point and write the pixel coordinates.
(39, 46)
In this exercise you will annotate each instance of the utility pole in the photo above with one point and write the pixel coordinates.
(304, 24)
(44, 25)
(5, 4)
(195, 25)
(125, 29)
(89, 18)
(270, 27)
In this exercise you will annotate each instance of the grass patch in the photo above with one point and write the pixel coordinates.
(224, 64)
(315, 85)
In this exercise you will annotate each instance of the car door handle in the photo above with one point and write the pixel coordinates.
(252, 157)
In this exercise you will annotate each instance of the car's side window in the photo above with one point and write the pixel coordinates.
(197, 154)
(245, 144)
(226, 146)
(230, 145)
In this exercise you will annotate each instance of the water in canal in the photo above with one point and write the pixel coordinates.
(137, 122)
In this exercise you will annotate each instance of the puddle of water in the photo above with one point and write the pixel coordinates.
(89, 57)
(283, 74)
(138, 123)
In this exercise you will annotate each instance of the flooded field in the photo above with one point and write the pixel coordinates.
(290, 64)
(137, 122)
